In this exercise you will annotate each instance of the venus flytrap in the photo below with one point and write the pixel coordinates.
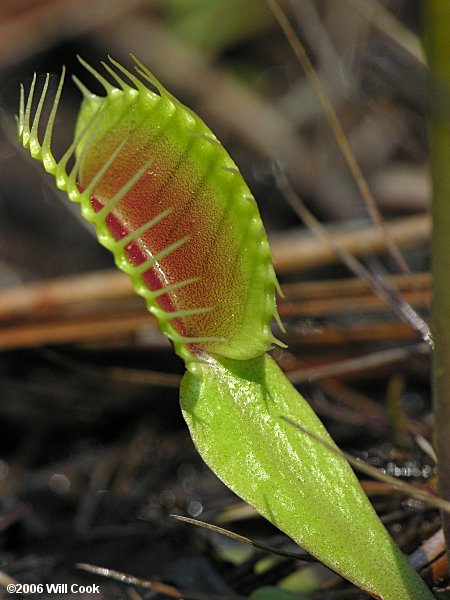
(171, 205)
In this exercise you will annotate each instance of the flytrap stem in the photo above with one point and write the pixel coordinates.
(438, 50)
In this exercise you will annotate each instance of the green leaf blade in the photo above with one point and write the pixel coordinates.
(233, 410)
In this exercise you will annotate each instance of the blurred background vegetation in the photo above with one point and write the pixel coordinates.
(94, 455)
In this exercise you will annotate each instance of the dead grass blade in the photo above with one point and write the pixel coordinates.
(401, 486)
(354, 365)
(122, 374)
(292, 252)
(245, 540)
(383, 19)
(6, 580)
(338, 132)
(161, 588)
(379, 285)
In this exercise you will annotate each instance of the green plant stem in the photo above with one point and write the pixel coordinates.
(438, 49)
